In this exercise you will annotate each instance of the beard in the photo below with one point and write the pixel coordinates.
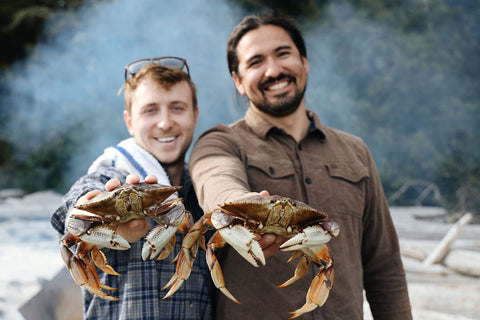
(284, 105)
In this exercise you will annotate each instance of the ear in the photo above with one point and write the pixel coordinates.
(306, 65)
(195, 114)
(128, 121)
(238, 83)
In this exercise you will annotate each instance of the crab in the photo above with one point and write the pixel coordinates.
(237, 222)
(92, 224)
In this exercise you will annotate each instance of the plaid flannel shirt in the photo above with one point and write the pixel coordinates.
(140, 282)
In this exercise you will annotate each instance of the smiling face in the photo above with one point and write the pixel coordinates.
(271, 71)
(162, 121)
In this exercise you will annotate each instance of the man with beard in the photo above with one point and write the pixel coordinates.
(281, 148)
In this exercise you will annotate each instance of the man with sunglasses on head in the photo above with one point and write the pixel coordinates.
(161, 113)
(281, 147)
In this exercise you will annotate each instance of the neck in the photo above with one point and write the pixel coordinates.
(295, 124)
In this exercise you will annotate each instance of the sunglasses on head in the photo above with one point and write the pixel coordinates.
(134, 67)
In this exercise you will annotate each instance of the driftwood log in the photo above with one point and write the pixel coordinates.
(443, 247)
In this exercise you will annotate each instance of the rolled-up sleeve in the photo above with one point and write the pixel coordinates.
(217, 169)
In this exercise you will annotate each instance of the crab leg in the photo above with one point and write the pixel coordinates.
(187, 255)
(300, 271)
(217, 275)
(93, 285)
(82, 268)
(100, 261)
(322, 283)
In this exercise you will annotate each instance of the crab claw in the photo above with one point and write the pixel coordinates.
(314, 236)
(242, 240)
(105, 237)
(158, 238)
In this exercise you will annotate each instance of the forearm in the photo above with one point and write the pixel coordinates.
(218, 179)
(217, 169)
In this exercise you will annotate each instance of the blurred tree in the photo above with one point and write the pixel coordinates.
(21, 25)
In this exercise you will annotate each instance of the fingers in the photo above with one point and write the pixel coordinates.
(269, 243)
(265, 240)
(133, 179)
(151, 179)
(91, 194)
(133, 230)
(264, 193)
(112, 184)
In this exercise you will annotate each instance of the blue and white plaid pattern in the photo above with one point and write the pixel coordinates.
(139, 283)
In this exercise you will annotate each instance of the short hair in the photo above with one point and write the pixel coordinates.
(164, 76)
(256, 21)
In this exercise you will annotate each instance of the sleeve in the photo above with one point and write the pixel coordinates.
(384, 278)
(89, 182)
(217, 168)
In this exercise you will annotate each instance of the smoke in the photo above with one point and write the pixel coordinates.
(70, 81)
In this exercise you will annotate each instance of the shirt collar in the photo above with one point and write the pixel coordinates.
(261, 126)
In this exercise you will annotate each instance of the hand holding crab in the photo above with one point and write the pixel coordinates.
(237, 224)
(105, 219)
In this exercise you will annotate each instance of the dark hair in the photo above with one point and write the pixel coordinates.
(255, 21)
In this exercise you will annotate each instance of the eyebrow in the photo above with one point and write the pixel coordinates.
(280, 48)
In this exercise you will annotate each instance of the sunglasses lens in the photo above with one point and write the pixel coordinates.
(135, 67)
(170, 62)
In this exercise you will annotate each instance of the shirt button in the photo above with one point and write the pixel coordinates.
(308, 181)
(272, 171)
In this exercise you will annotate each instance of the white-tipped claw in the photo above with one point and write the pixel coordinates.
(314, 236)
(156, 240)
(105, 237)
(242, 240)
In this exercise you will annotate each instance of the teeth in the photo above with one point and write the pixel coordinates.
(166, 139)
(278, 85)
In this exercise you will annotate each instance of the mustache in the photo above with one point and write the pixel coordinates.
(281, 76)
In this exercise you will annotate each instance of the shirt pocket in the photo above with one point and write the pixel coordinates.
(270, 175)
(348, 186)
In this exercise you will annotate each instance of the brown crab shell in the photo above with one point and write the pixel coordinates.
(259, 208)
(150, 193)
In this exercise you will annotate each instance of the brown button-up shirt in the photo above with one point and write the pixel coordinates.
(331, 171)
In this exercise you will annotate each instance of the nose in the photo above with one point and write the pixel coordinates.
(164, 121)
(273, 68)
